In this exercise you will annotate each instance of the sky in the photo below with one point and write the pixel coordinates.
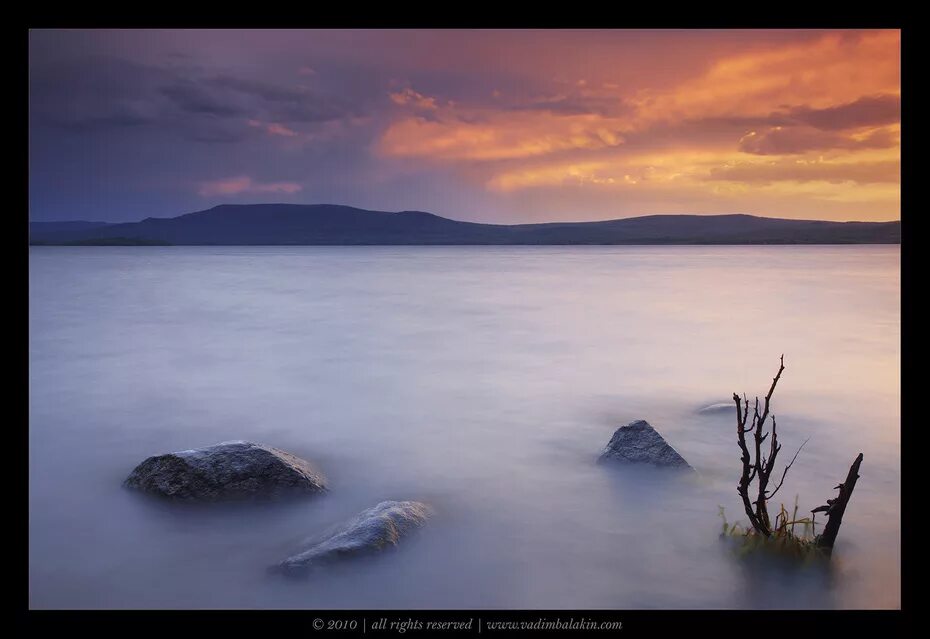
(485, 125)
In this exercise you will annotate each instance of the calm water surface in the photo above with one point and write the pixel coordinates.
(483, 380)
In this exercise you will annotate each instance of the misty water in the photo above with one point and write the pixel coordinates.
(483, 380)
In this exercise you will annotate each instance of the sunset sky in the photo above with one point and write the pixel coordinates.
(493, 126)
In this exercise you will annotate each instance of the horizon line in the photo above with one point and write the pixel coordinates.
(358, 208)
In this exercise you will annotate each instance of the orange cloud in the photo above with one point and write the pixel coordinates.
(837, 68)
(818, 119)
(274, 128)
(836, 82)
(476, 135)
(412, 98)
(244, 184)
(860, 172)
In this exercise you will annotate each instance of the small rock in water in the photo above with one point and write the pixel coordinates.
(641, 443)
(720, 407)
(230, 470)
(374, 529)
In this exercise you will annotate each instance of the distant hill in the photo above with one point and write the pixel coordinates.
(43, 228)
(327, 224)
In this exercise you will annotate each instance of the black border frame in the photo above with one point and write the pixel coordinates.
(755, 623)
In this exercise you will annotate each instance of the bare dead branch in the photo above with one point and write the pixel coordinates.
(757, 466)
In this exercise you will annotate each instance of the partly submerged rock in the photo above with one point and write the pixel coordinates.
(718, 408)
(639, 442)
(374, 529)
(230, 470)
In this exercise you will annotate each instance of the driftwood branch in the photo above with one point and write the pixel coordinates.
(835, 508)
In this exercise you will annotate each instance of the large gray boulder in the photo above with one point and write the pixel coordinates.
(377, 528)
(230, 470)
(639, 442)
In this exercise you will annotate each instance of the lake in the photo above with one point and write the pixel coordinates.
(483, 380)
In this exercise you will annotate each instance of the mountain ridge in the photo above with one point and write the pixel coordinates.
(335, 224)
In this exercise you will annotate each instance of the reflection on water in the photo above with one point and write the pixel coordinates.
(484, 380)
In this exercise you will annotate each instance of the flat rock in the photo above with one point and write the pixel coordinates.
(640, 443)
(375, 529)
(226, 471)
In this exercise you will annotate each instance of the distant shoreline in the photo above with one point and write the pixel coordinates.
(336, 225)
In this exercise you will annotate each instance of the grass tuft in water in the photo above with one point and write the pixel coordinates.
(792, 539)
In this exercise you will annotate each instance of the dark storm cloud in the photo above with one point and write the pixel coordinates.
(119, 136)
(797, 129)
(98, 92)
(194, 97)
(876, 110)
(799, 139)
(112, 92)
(231, 96)
(791, 130)
(869, 111)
